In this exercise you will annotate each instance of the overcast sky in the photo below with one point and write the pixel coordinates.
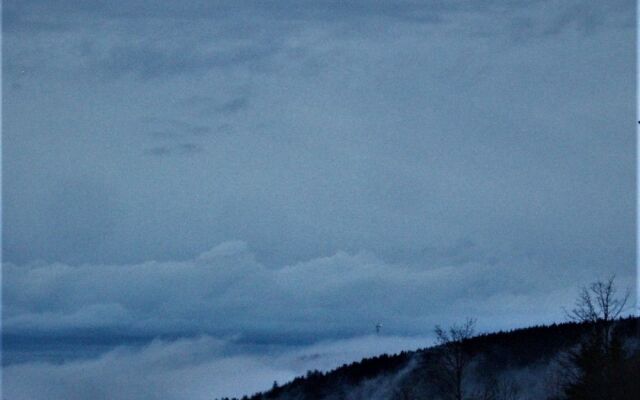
(289, 169)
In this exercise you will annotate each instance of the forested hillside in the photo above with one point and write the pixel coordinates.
(544, 362)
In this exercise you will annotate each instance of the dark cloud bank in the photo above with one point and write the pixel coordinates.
(226, 291)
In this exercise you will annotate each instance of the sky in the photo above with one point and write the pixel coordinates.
(288, 173)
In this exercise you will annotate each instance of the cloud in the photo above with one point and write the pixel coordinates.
(123, 40)
(217, 108)
(37, 15)
(226, 291)
(146, 62)
(196, 368)
(234, 105)
(158, 151)
(175, 129)
(398, 141)
(184, 149)
(436, 149)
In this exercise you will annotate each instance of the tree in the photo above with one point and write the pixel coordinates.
(596, 368)
(499, 389)
(600, 305)
(454, 356)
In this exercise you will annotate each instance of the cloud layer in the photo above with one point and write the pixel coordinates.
(225, 291)
(199, 368)
(306, 129)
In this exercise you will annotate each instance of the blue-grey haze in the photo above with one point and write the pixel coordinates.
(293, 171)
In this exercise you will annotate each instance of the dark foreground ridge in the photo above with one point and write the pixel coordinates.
(559, 361)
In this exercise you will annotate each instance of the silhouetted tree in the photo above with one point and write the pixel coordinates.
(453, 358)
(600, 305)
(596, 368)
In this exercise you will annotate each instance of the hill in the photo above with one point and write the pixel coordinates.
(542, 362)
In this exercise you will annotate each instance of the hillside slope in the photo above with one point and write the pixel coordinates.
(531, 363)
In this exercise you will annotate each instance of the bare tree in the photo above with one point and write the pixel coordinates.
(600, 305)
(599, 302)
(454, 358)
(592, 370)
